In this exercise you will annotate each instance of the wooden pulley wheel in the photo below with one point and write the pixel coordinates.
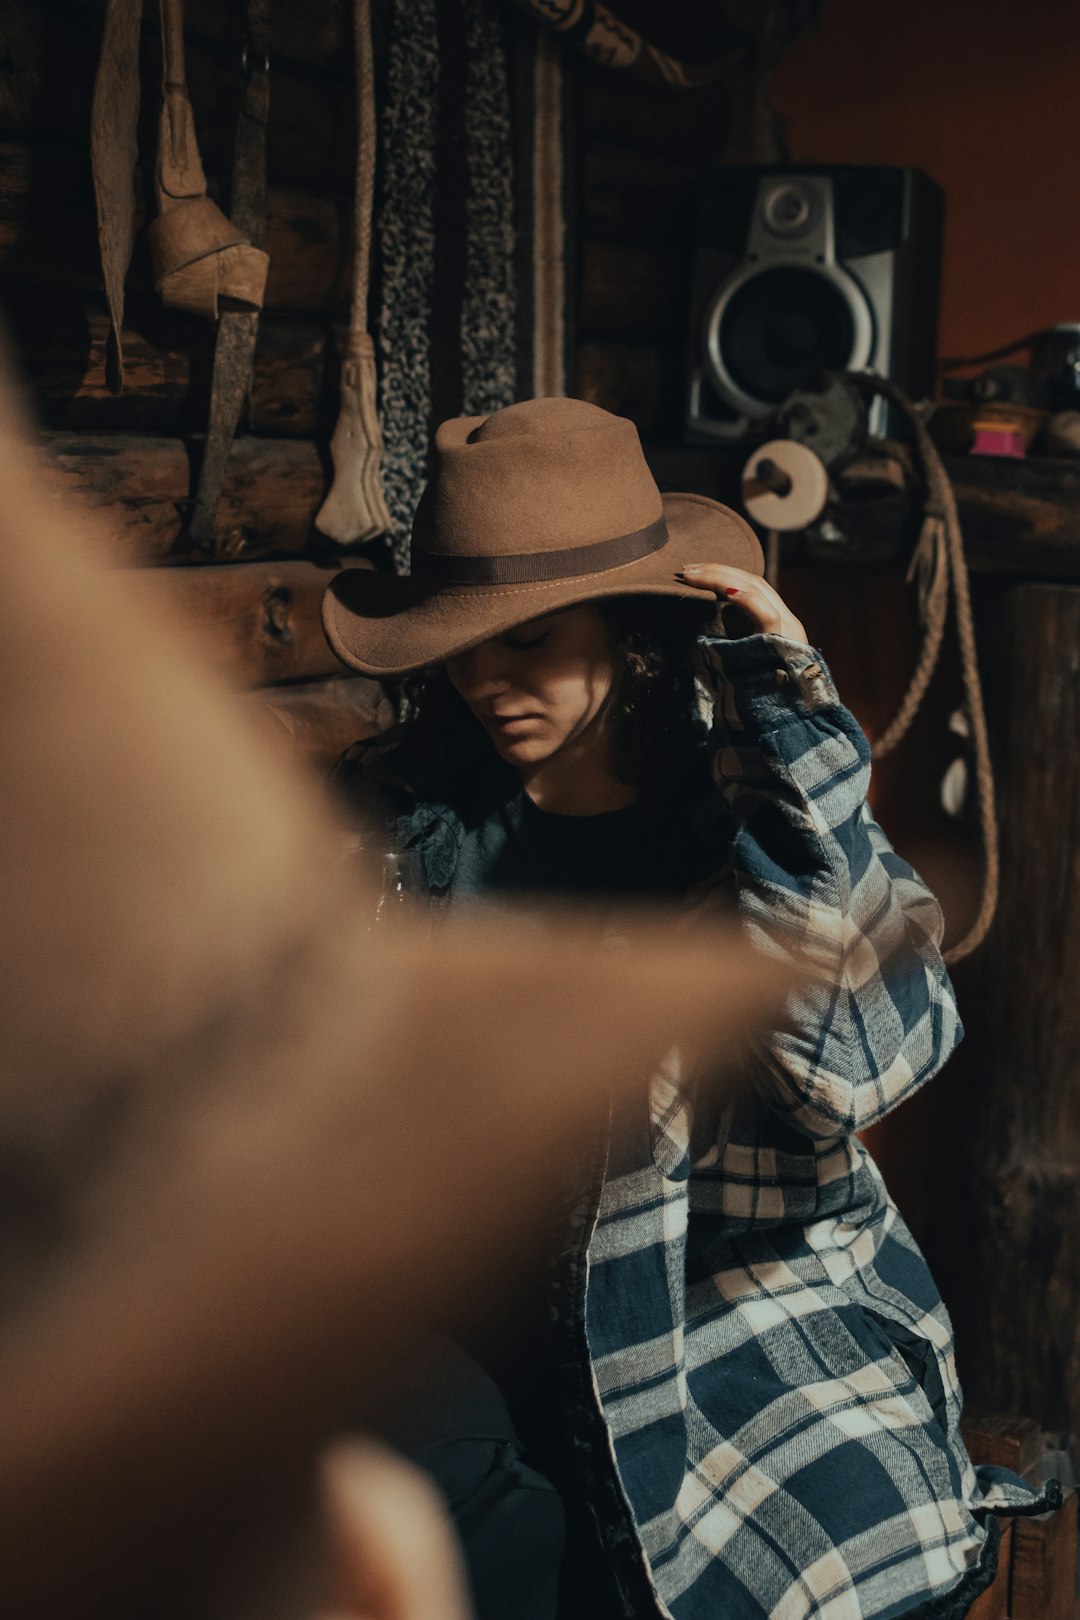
(784, 486)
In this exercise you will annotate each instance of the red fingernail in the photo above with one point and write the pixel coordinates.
(731, 590)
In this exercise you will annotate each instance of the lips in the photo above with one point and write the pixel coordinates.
(508, 722)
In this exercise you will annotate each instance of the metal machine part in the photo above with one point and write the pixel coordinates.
(832, 418)
(784, 486)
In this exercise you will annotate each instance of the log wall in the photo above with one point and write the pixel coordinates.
(255, 604)
(640, 158)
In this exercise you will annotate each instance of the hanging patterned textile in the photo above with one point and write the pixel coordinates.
(458, 229)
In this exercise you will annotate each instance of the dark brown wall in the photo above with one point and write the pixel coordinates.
(982, 95)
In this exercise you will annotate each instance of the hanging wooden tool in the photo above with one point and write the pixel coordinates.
(199, 256)
(113, 155)
(355, 509)
(234, 352)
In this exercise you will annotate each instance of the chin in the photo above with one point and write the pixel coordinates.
(522, 750)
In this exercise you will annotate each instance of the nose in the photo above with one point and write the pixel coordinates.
(480, 673)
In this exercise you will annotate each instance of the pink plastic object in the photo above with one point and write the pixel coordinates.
(990, 441)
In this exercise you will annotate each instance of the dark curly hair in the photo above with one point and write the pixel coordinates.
(653, 698)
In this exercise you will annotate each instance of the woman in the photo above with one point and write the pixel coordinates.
(757, 1369)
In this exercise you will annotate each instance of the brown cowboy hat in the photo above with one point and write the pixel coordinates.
(536, 507)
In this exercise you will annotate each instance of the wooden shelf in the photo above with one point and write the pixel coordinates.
(1019, 518)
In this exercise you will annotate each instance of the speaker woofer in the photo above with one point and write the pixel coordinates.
(770, 331)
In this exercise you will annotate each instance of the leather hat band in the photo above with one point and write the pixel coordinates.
(528, 567)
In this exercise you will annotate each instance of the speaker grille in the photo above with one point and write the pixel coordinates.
(782, 327)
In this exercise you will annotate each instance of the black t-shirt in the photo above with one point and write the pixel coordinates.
(518, 849)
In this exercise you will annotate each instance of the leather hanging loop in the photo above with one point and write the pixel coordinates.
(114, 153)
(355, 509)
(200, 257)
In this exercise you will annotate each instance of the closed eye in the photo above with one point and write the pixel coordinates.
(520, 643)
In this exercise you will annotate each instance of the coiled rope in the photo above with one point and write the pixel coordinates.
(940, 568)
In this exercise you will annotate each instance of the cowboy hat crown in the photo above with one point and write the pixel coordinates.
(538, 506)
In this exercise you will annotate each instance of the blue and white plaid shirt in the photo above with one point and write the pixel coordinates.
(771, 1359)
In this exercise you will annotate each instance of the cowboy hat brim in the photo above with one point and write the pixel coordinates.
(387, 626)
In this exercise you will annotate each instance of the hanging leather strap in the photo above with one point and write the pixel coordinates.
(113, 154)
(234, 352)
(199, 256)
(355, 509)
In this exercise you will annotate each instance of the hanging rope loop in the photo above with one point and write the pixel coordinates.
(939, 567)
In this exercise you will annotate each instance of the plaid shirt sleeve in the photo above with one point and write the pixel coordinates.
(817, 880)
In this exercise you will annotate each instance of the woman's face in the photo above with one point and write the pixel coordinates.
(537, 689)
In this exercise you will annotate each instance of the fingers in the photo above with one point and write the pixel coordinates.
(763, 606)
(395, 1555)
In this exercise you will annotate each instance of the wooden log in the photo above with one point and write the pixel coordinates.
(61, 340)
(48, 234)
(289, 393)
(1002, 1440)
(272, 491)
(1011, 1266)
(139, 484)
(320, 719)
(638, 197)
(308, 240)
(630, 292)
(257, 622)
(1044, 1565)
(993, 1604)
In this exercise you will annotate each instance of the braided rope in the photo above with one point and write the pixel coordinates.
(940, 562)
(365, 156)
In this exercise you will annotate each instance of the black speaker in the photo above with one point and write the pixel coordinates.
(800, 270)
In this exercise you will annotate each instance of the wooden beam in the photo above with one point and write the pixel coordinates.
(1044, 1566)
(1016, 1204)
(1018, 517)
(993, 1604)
(258, 623)
(273, 489)
(318, 720)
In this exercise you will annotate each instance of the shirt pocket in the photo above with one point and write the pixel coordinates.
(919, 1361)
